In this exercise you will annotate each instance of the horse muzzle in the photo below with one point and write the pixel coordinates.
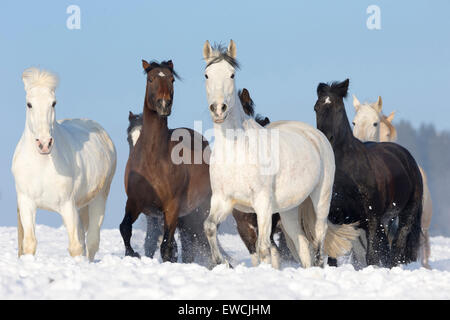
(164, 107)
(45, 146)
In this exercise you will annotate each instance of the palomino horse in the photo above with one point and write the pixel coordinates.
(375, 182)
(265, 169)
(154, 183)
(64, 166)
(370, 124)
(246, 223)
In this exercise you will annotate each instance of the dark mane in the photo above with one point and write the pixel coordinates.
(337, 88)
(220, 53)
(263, 121)
(247, 103)
(164, 64)
(249, 107)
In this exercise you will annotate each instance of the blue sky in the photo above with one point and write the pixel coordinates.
(285, 48)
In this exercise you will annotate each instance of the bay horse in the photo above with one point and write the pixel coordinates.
(193, 241)
(370, 124)
(64, 166)
(254, 173)
(374, 183)
(154, 183)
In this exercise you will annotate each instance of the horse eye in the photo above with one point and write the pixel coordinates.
(29, 105)
(206, 76)
(375, 124)
(54, 104)
(232, 76)
(353, 123)
(149, 79)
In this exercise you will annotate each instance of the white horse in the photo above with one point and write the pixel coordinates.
(294, 165)
(64, 166)
(371, 125)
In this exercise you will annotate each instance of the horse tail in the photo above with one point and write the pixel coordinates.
(19, 233)
(338, 239)
(414, 208)
(427, 212)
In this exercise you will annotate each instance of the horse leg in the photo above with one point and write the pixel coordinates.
(359, 249)
(377, 242)
(405, 245)
(96, 214)
(131, 214)
(321, 203)
(247, 227)
(187, 239)
(425, 249)
(154, 231)
(19, 233)
(293, 229)
(274, 250)
(84, 216)
(72, 222)
(169, 250)
(220, 209)
(27, 216)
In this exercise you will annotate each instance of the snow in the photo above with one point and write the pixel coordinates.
(53, 274)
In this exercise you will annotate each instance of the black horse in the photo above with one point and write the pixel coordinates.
(375, 183)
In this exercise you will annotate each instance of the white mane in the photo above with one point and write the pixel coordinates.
(34, 77)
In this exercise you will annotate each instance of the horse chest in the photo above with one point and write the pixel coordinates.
(39, 181)
(236, 182)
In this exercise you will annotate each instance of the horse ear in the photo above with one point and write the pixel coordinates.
(207, 50)
(321, 89)
(232, 49)
(390, 118)
(170, 64)
(130, 116)
(343, 88)
(245, 95)
(26, 75)
(356, 103)
(145, 64)
(379, 105)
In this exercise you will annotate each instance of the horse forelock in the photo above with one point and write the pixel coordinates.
(34, 77)
(164, 64)
(219, 53)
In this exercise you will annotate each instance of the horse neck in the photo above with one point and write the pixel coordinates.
(344, 139)
(155, 133)
(234, 121)
(58, 151)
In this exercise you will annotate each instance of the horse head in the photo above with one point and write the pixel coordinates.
(159, 92)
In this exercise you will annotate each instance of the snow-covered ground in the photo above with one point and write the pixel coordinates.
(53, 274)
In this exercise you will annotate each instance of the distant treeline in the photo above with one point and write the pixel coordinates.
(431, 149)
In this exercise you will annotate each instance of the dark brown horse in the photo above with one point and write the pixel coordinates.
(194, 245)
(154, 183)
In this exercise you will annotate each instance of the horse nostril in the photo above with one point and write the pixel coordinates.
(212, 107)
(224, 107)
(50, 142)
